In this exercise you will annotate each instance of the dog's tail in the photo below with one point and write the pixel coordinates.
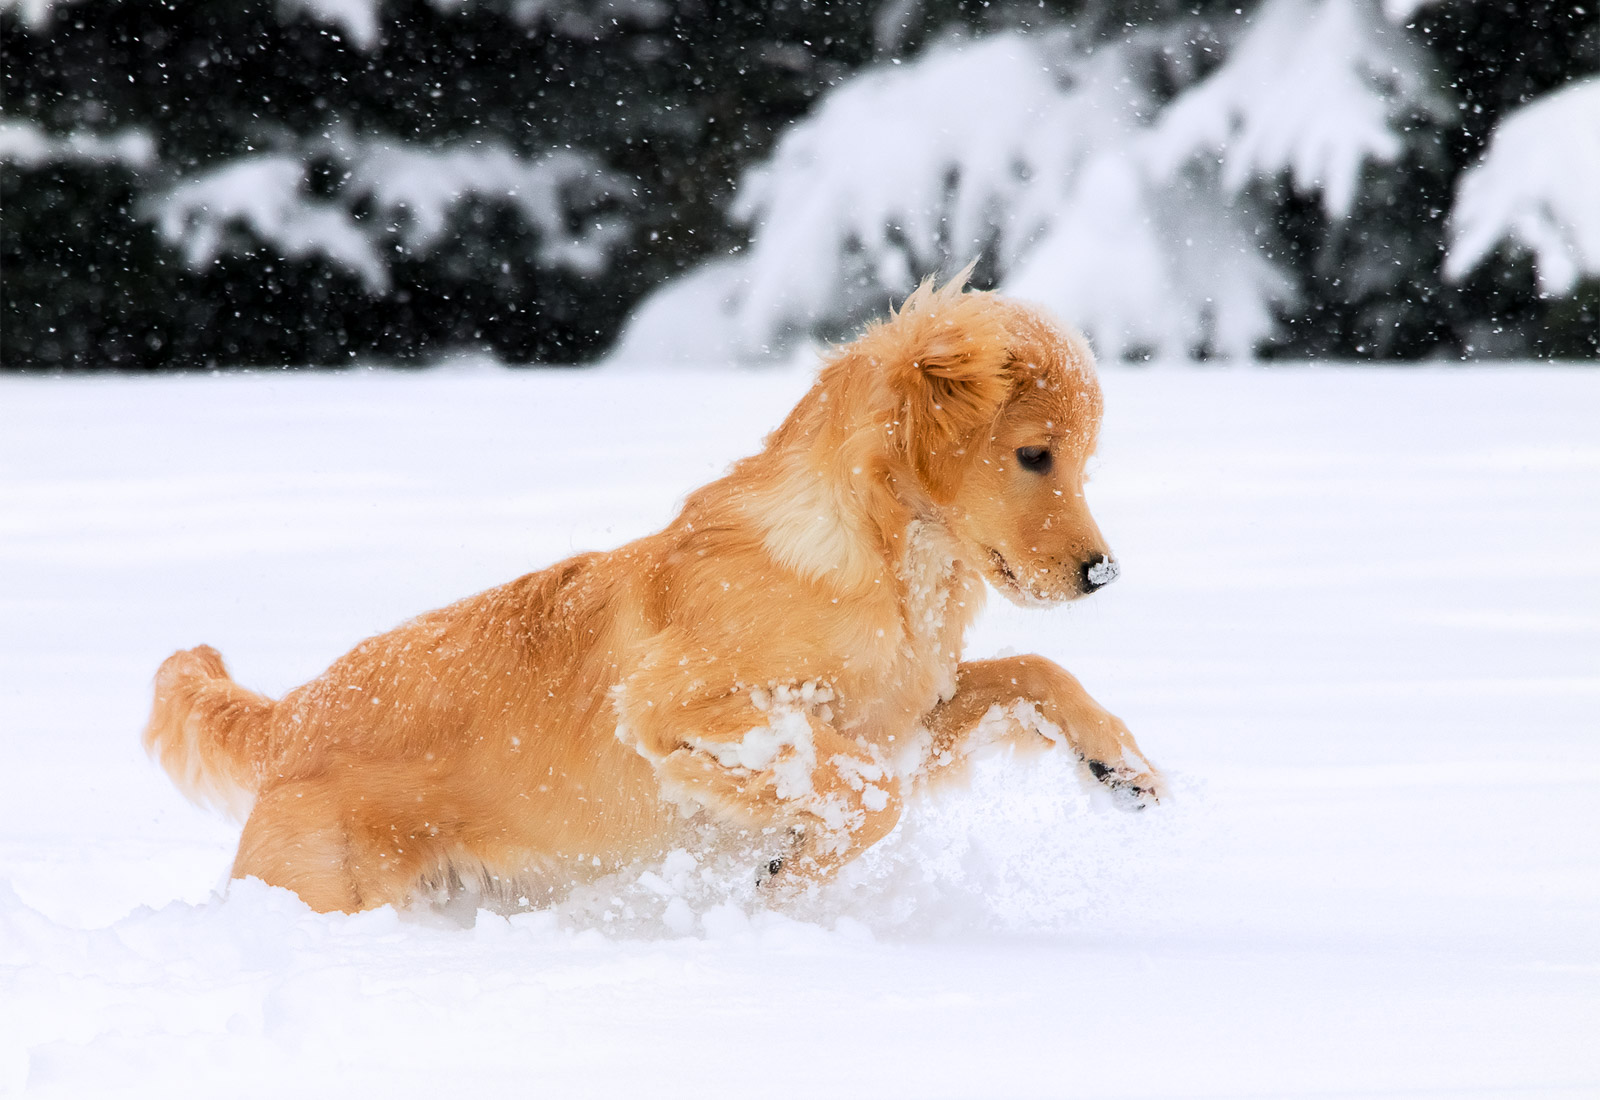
(211, 735)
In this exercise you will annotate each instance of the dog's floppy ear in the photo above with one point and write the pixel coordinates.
(945, 355)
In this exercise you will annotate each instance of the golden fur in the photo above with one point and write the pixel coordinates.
(783, 659)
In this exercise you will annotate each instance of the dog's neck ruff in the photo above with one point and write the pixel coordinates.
(817, 528)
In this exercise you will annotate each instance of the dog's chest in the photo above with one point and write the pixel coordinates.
(928, 578)
(911, 667)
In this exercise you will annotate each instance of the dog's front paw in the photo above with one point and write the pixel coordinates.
(782, 866)
(768, 871)
(1131, 778)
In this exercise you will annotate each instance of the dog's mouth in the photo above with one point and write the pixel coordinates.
(1003, 567)
(1012, 587)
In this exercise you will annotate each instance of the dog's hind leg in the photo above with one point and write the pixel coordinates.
(340, 844)
(295, 838)
(1038, 701)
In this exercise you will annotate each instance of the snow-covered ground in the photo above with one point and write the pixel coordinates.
(1358, 624)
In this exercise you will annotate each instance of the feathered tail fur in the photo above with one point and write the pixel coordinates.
(211, 735)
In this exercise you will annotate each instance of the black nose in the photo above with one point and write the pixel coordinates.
(1098, 572)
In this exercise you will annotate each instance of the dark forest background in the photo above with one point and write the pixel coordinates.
(668, 103)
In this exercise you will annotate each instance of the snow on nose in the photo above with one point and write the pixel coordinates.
(1099, 572)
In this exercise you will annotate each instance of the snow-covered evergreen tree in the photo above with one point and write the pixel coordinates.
(310, 180)
(1129, 184)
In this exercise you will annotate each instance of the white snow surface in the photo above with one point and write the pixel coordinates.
(1358, 625)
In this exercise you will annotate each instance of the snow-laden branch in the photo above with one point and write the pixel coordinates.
(1310, 90)
(415, 189)
(1147, 266)
(263, 194)
(35, 14)
(908, 169)
(359, 22)
(1537, 186)
(406, 195)
(357, 19)
(1399, 11)
(30, 146)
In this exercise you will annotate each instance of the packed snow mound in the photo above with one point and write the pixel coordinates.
(693, 319)
(1538, 187)
(1071, 178)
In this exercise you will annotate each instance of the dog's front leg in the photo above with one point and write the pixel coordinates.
(1013, 690)
(774, 766)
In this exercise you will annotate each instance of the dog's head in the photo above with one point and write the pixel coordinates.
(998, 413)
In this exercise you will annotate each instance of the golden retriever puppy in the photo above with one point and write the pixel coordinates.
(783, 660)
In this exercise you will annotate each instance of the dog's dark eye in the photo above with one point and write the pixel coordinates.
(1036, 459)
